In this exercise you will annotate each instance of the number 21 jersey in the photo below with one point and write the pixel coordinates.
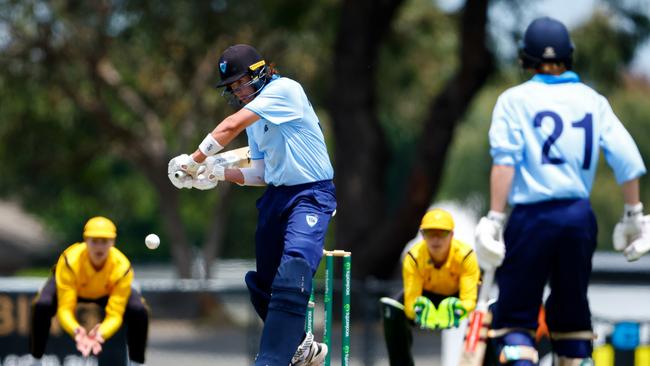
(551, 129)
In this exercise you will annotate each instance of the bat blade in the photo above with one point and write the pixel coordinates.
(239, 158)
(476, 338)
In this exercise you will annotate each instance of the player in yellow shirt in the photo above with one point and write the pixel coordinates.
(92, 271)
(440, 276)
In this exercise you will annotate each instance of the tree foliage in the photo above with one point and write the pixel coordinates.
(97, 96)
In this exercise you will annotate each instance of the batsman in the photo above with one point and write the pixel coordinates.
(288, 156)
(545, 139)
(440, 279)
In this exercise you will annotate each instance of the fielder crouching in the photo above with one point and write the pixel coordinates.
(440, 276)
(92, 271)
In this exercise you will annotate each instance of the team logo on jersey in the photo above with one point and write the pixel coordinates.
(266, 128)
(222, 66)
(549, 52)
(311, 220)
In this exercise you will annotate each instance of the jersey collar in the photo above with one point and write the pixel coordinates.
(565, 77)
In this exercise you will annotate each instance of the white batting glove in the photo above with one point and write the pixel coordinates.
(186, 164)
(177, 175)
(641, 245)
(209, 176)
(490, 248)
(632, 233)
(629, 227)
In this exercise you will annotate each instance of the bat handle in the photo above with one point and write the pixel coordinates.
(484, 293)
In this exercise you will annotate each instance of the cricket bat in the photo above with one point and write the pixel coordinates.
(479, 322)
(237, 158)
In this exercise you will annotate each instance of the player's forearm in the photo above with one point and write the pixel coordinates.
(68, 322)
(115, 309)
(223, 134)
(501, 178)
(227, 130)
(234, 176)
(631, 191)
(254, 174)
(412, 289)
(468, 293)
(110, 325)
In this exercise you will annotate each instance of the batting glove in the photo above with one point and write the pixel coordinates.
(185, 163)
(450, 312)
(490, 248)
(632, 233)
(425, 313)
(180, 171)
(209, 176)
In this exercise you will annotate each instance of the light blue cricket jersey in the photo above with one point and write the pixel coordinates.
(288, 135)
(551, 128)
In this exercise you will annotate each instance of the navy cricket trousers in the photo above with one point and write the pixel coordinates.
(289, 242)
(548, 242)
(292, 223)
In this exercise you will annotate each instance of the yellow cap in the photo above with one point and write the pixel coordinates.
(437, 219)
(100, 227)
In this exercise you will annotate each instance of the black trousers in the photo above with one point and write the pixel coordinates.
(44, 307)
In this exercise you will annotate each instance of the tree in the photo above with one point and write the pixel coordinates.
(365, 225)
(114, 89)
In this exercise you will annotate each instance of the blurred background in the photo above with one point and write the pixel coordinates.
(96, 96)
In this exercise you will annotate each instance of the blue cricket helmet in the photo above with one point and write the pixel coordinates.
(236, 62)
(546, 40)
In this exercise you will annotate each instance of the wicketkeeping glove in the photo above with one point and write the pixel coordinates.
(450, 312)
(632, 233)
(425, 313)
(490, 249)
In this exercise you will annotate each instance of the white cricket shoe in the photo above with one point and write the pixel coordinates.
(309, 353)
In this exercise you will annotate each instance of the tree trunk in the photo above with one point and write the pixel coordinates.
(378, 238)
(170, 212)
(361, 147)
(215, 233)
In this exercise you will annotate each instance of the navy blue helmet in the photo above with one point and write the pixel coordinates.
(236, 62)
(546, 40)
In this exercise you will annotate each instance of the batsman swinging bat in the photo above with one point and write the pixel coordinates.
(476, 337)
(237, 158)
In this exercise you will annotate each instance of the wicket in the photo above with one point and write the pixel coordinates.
(328, 301)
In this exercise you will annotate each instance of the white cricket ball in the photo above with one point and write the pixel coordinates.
(152, 241)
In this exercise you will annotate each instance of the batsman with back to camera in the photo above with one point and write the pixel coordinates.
(545, 139)
(92, 271)
(440, 278)
(288, 155)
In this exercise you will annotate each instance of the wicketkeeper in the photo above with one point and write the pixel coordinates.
(440, 275)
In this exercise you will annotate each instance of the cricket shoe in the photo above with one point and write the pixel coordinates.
(309, 353)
